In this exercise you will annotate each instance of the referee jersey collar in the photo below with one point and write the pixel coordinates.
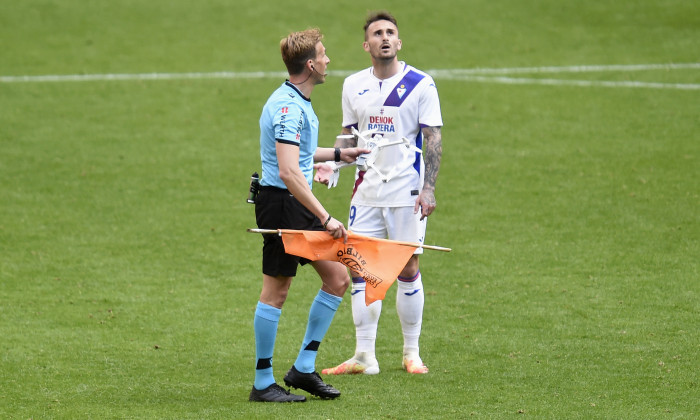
(291, 85)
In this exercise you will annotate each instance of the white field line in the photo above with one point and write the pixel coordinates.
(479, 75)
(569, 69)
(486, 75)
(142, 76)
(583, 83)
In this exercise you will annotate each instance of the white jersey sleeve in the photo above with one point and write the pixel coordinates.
(429, 114)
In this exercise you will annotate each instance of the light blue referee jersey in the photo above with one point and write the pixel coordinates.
(287, 117)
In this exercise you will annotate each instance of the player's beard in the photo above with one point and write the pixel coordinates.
(386, 55)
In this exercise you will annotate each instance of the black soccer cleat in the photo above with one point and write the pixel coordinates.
(274, 393)
(311, 383)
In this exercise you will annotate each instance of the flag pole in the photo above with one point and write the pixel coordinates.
(417, 245)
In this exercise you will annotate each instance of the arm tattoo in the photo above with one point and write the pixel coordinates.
(432, 154)
(345, 143)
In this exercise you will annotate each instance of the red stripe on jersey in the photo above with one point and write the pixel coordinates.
(360, 178)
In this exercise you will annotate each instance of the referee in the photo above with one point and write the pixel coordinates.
(288, 150)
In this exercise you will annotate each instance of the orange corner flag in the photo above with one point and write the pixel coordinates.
(378, 261)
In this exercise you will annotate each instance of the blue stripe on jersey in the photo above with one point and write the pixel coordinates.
(403, 88)
(419, 144)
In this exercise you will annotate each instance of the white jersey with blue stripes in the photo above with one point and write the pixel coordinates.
(396, 107)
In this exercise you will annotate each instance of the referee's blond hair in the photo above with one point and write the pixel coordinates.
(298, 47)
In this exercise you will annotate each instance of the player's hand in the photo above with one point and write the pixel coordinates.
(337, 230)
(323, 173)
(350, 154)
(425, 203)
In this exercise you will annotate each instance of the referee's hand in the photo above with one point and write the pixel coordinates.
(337, 230)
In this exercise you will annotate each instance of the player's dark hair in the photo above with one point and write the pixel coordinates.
(299, 47)
(379, 15)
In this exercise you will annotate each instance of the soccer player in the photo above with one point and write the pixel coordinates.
(288, 149)
(395, 100)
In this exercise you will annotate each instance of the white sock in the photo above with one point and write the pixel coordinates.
(409, 305)
(366, 320)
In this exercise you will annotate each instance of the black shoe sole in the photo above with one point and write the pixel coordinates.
(312, 391)
(290, 398)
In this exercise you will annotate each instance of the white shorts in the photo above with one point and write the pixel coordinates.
(395, 223)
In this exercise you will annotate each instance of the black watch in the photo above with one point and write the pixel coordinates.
(337, 154)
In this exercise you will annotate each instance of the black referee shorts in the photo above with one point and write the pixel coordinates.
(276, 208)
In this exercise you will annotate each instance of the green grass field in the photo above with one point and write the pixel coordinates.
(570, 197)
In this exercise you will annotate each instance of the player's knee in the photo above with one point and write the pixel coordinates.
(274, 298)
(340, 281)
(336, 281)
(343, 281)
(411, 268)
